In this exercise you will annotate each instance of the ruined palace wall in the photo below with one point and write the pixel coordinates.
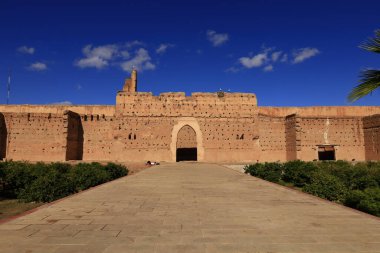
(97, 137)
(371, 128)
(344, 132)
(227, 124)
(292, 140)
(142, 138)
(36, 136)
(107, 110)
(331, 111)
(272, 138)
(176, 104)
(230, 139)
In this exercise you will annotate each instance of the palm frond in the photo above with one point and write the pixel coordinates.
(369, 81)
(372, 44)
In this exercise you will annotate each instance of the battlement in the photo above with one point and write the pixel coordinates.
(174, 104)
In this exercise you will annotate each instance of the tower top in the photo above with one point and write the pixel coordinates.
(130, 84)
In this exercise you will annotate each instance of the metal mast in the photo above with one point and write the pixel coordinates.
(9, 85)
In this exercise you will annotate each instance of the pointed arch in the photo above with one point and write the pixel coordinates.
(193, 123)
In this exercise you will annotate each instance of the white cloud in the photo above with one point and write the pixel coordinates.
(268, 68)
(37, 66)
(97, 57)
(276, 55)
(26, 50)
(125, 54)
(163, 47)
(217, 39)
(232, 70)
(134, 43)
(62, 103)
(302, 54)
(255, 61)
(141, 61)
(284, 58)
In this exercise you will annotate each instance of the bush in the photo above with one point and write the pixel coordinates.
(326, 186)
(52, 186)
(356, 186)
(17, 176)
(367, 201)
(299, 173)
(267, 171)
(87, 175)
(116, 170)
(47, 182)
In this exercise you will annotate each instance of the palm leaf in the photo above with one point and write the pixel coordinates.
(372, 44)
(369, 81)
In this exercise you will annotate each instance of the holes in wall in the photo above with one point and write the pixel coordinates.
(132, 136)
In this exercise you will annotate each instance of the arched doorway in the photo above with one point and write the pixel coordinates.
(186, 148)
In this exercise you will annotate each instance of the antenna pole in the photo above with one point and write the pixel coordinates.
(9, 85)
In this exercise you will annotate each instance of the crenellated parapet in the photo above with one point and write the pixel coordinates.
(177, 104)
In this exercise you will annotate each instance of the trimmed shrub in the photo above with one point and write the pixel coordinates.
(47, 182)
(267, 171)
(367, 201)
(299, 173)
(86, 175)
(17, 176)
(326, 186)
(356, 186)
(353, 198)
(49, 187)
(116, 170)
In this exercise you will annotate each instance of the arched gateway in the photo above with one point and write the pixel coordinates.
(186, 133)
(186, 148)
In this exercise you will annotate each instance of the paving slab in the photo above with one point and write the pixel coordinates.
(191, 207)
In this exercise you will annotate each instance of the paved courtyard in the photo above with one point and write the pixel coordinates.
(190, 207)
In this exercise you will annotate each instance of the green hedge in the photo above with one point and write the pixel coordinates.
(354, 185)
(44, 182)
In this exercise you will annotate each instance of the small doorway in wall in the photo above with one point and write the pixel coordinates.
(326, 153)
(186, 154)
(186, 144)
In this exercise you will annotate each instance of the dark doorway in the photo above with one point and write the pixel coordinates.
(75, 139)
(326, 153)
(3, 137)
(186, 154)
(186, 144)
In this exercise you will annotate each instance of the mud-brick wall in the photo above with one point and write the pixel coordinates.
(36, 136)
(186, 138)
(292, 140)
(97, 137)
(371, 128)
(230, 139)
(142, 138)
(272, 138)
(3, 137)
(346, 133)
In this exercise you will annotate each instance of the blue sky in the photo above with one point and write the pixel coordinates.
(290, 53)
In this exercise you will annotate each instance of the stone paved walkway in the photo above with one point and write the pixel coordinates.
(191, 208)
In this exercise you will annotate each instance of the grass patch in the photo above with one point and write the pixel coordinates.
(12, 207)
